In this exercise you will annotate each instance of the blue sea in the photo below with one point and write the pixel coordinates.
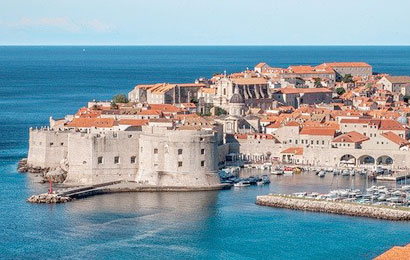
(39, 82)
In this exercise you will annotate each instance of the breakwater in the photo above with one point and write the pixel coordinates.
(68, 194)
(343, 208)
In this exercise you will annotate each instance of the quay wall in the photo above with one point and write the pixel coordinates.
(342, 208)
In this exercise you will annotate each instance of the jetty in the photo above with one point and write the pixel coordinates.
(70, 193)
(393, 177)
(335, 207)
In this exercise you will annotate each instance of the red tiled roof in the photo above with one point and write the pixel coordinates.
(165, 108)
(347, 64)
(294, 150)
(260, 65)
(318, 131)
(304, 90)
(250, 81)
(149, 112)
(351, 137)
(388, 124)
(395, 138)
(92, 122)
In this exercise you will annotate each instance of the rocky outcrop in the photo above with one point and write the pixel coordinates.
(23, 166)
(56, 174)
(48, 198)
(343, 208)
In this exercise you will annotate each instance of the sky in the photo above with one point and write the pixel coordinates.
(205, 22)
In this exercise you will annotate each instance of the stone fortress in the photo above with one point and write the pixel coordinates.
(158, 156)
(170, 135)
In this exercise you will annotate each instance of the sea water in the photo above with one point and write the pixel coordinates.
(39, 82)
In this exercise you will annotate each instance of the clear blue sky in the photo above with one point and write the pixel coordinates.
(205, 22)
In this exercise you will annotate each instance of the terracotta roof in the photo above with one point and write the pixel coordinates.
(318, 131)
(388, 124)
(398, 79)
(304, 90)
(274, 125)
(133, 122)
(165, 108)
(395, 253)
(149, 112)
(351, 137)
(188, 105)
(395, 138)
(294, 150)
(92, 122)
(260, 65)
(303, 69)
(208, 90)
(250, 81)
(292, 123)
(347, 64)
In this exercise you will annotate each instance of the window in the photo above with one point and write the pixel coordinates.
(201, 139)
(202, 163)
(133, 159)
(155, 150)
(100, 160)
(317, 142)
(179, 164)
(296, 141)
(202, 151)
(61, 144)
(179, 151)
(311, 142)
(323, 142)
(51, 144)
(116, 159)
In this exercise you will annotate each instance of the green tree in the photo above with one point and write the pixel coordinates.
(113, 105)
(318, 82)
(120, 98)
(220, 111)
(348, 78)
(340, 91)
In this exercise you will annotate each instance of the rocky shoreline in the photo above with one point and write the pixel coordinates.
(342, 208)
(56, 174)
(48, 198)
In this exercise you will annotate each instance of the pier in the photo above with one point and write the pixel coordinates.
(393, 177)
(335, 207)
(69, 194)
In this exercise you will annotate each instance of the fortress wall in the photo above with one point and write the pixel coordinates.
(85, 149)
(161, 164)
(258, 146)
(47, 148)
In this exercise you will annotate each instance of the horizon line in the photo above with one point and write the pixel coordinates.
(206, 45)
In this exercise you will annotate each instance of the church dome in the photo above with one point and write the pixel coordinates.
(236, 99)
(403, 120)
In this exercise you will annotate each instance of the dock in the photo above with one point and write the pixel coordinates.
(335, 207)
(69, 194)
(394, 177)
